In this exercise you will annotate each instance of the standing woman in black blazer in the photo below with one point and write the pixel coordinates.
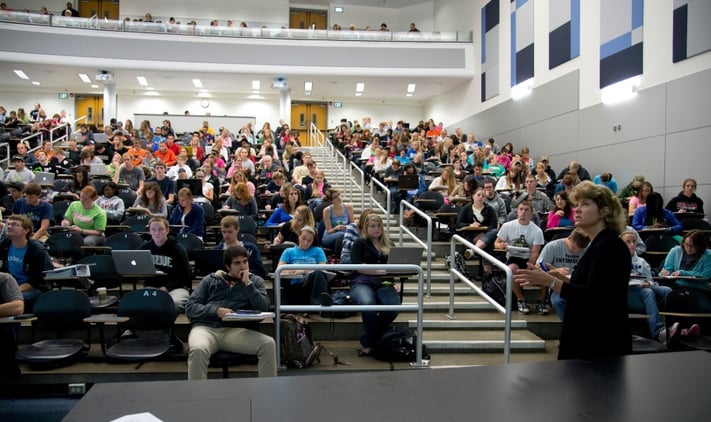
(597, 289)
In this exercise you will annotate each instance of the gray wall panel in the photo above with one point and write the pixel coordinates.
(687, 155)
(559, 135)
(689, 102)
(641, 117)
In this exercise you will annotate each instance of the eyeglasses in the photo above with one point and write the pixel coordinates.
(14, 224)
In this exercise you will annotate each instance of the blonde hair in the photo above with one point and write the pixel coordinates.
(305, 212)
(615, 218)
(383, 241)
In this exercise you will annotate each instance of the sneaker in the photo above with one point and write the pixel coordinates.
(666, 336)
(541, 308)
(693, 331)
(469, 254)
(523, 307)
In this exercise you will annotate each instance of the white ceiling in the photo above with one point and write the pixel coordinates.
(58, 78)
(390, 4)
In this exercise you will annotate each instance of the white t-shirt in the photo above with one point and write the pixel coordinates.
(517, 234)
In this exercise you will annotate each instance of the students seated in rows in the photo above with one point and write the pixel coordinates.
(528, 240)
(111, 203)
(335, 219)
(166, 184)
(86, 218)
(39, 212)
(20, 173)
(152, 200)
(229, 226)
(686, 200)
(24, 259)
(289, 232)
(606, 179)
(307, 286)
(368, 287)
(479, 214)
(241, 201)
(562, 213)
(691, 259)
(225, 291)
(352, 233)
(169, 257)
(291, 197)
(131, 174)
(541, 202)
(578, 172)
(561, 256)
(188, 214)
(648, 290)
(444, 183)
(640, 198)
(655, 216)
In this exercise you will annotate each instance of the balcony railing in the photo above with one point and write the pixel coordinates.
(264, 32)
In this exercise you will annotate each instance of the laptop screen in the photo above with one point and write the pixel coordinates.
(194, 185)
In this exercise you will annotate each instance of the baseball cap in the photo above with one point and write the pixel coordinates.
(17, 158)
(308, 229)
(16, 185)
(544, 158)
(638, 178)
(91, 142)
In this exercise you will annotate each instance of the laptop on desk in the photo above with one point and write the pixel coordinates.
(44, 179)
(408, 181)
(138, 262)
(97, 170)
(405, 255)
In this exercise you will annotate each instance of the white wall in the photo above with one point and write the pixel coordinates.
(455, 15)
(378, 113)
(421, 14)
(276, 11)
(50, 102)
(464, 101)
(363, 16)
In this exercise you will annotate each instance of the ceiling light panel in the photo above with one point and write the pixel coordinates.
(85, 78)
(360, 87)
(142, 80)
(308, 86)
(197, 83)
(256, 84)
(20, 74)
(411, 88)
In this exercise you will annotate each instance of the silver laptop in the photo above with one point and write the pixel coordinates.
(405, 255)
(98, 170)
(138, 262)
(44, 179)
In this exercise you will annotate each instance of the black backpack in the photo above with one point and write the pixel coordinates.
(460, 264)
(494, 285)
(297, 346)
(398, 345)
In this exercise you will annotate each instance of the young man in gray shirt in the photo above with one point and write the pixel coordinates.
(561, 256)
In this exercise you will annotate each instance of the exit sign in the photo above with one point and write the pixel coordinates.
(63, 95)
(337, 104)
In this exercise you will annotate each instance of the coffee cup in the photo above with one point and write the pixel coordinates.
(101, 292)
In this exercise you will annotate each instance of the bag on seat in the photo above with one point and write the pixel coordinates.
(495, 286)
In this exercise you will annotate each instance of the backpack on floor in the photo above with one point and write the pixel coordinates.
(398, 345)
(460, 264)
(340, 297)
(297, 346)
(494, 285)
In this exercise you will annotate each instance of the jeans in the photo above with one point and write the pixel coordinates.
(558, 304)
(307, 290)
(650, 297)
(375, 323)
(333, 241)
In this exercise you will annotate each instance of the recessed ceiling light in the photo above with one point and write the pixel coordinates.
(411, 88)
(339, 9)
(360, 87)
(150, 88)
(152, 93)
(94, 86)
(359, 94)
(35, 83)
(255, 85)
(307, 93)
(255, 97)
(197, 83)
(21, 74)
(409, 94)
(85, 78)
(142, 80)
(308, 86)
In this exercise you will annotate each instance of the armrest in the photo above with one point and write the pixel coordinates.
(17, 319)
(106, 319)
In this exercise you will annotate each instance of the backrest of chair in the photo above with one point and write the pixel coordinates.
(65, 244)
(189, 242)
(431, 196)
(128, 196)
(124, 241)
(62, 309)
(148, 309)
(209, 212)
(58, 210)
(660, 243)
(247, 225)
(695, 223)
(248, 237)
(62, 185)
(137, 223)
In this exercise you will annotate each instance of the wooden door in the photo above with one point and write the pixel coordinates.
(89, 8)
(303, 114)
(303, 19)
(110, 9)
(299, 117)
(91, 106)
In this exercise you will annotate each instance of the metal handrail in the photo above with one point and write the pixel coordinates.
(453, 272)
(427, 246)
(418, 307)
(360, 186)
(373, 182)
